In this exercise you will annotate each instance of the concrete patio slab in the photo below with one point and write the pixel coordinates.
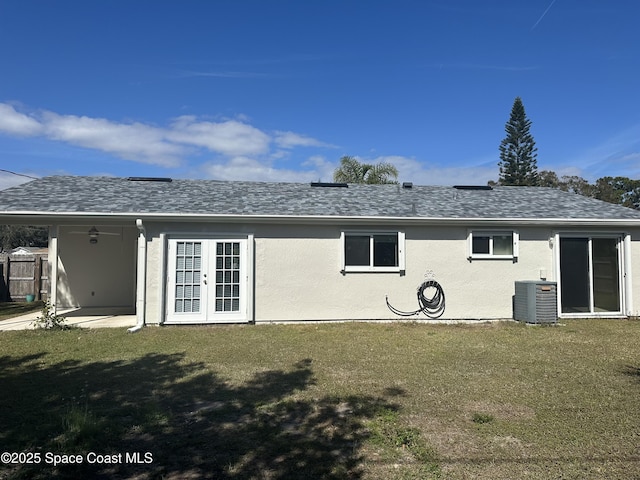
(80, 317)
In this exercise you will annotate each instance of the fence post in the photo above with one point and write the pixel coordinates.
(4, 281)
(37, 276)
(8, 278)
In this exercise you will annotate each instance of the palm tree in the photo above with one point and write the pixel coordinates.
(352, 171)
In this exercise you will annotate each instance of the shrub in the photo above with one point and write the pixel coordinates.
(48, 319)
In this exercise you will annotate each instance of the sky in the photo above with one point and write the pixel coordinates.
(280, 90)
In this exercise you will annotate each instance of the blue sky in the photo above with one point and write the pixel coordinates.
(279, 90)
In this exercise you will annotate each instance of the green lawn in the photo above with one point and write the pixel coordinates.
(369, 401)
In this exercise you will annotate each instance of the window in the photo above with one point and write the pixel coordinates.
(491, 244)
(373, 252)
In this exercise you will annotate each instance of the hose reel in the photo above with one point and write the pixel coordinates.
(430, 300)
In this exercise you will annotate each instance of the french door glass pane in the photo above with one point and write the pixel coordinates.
(227, 277)
(606, 281)
(187, 284)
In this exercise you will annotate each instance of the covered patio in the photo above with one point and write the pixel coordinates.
(94, 274)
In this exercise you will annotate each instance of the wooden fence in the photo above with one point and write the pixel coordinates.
(22, 275)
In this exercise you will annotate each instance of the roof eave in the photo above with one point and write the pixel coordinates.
(48, 218)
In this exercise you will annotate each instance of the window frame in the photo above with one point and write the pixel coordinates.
(515, 240)
(371, 268)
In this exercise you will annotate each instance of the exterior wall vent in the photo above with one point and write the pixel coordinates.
(149, 179)
(473, 187)
(329, 184)
(536, 302)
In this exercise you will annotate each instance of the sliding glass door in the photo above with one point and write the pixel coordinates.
(606, 275)
(590, 275)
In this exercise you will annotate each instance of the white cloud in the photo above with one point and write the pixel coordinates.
(615, 155)
(244, 168)
(318, 168)
(240, 150)
(291, 139)
(224, 74)
(421, 173)
(631, 157)
(474, 175)
(15, 123)
(136, 141)
(486, 66)
(229, 138)
(145, 143)
(321, 167)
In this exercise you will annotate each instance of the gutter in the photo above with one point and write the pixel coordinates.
(70, 217)
(141, 278)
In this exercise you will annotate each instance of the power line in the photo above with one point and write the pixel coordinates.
(18, 174)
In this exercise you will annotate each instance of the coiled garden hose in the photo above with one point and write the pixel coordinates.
(432, 307)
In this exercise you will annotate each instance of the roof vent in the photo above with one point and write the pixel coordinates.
(407, 185)
(149, 179)
(329, 184)
(472, 187)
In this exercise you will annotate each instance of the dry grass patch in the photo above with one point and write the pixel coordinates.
(506, 412)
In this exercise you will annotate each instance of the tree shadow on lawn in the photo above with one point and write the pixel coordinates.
(193, 423)
(631, 371)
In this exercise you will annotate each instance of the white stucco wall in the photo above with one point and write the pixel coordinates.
(297, 271)
(298, 275)
(96, 275)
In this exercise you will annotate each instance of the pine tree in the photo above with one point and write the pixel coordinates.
(518, 163)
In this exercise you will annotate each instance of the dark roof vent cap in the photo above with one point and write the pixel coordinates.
(472, 187)
(329, 184)
(149, 179)
(407, 185)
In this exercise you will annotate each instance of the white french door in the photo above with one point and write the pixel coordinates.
(207, 281)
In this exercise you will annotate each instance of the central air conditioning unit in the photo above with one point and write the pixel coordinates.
(536, 301)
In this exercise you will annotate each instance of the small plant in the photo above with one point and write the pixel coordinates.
(48, 319)
(482, 418)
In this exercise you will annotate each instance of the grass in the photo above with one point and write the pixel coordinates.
(482, 417)
(14, 309)
(359, 401)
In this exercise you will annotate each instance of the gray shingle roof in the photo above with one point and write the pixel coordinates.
(109, 195)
